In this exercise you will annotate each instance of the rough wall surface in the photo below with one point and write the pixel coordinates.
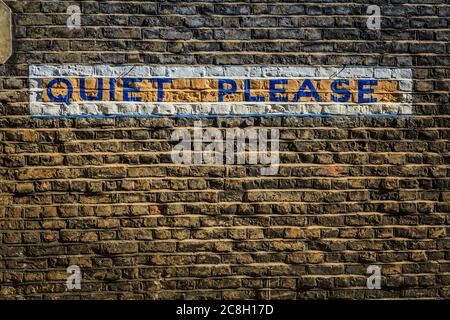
(351, 192)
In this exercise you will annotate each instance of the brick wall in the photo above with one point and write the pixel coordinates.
(351, 191)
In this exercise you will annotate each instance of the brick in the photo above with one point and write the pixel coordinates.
(120, 247)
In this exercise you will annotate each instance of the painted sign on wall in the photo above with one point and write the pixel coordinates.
(100, 90)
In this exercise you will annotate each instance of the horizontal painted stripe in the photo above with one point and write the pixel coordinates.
(216, 109)
(209, 90)
(102, 116)
(43, 71)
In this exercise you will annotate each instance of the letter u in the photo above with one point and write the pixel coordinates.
(83, 94)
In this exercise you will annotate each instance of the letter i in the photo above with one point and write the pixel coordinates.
(112, 89)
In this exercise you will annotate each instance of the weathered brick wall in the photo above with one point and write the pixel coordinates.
(351, 191)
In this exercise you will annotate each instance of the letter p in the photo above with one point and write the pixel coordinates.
(223, 91)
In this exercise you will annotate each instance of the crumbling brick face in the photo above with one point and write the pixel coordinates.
(103, 194)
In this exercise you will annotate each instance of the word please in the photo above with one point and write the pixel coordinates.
(194, 90)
